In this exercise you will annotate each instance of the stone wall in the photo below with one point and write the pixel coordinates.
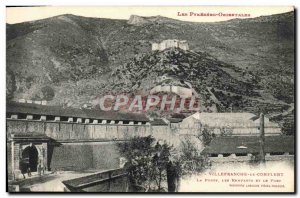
(9, 160)
(191, 125)
(169, 44)
(83, 156)
(113, 180)
(182, 91)
(79, 146)
(248, 158)
(63, 131)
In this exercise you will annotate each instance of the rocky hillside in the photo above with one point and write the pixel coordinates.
(199, 69)
(70, 59)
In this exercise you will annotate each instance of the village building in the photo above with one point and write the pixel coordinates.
(175, 122)
(182, 44)
(244, 124)
(246, 148)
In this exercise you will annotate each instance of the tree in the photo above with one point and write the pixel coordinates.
(147, 160)
(226, 131)
(47, 93)
(206, 135)
(191, 159)
(10, 84)
(288, 128)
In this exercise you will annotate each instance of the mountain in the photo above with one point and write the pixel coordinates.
(199, 69)
(140, 21)
(71, 59)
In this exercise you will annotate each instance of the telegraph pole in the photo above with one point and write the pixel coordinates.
(262, 138)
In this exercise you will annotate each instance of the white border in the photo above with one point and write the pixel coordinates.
(5, 3)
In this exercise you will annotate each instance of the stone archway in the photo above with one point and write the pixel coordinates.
(30, 159)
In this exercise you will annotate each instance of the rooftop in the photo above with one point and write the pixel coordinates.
(30, 136)
(35, 109)
(230, 119)
(158, 122)
(175, 120)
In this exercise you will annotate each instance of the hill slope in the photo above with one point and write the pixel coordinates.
(70, 59)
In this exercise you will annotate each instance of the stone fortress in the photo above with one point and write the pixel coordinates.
(165, 44)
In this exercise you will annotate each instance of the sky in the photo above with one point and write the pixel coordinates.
(22, 14)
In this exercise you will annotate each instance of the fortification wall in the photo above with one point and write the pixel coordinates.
(169, 44)
(182, 91)
(83, 156)
(61, 131)
(183, 45)
(79, 146)
(64, 131)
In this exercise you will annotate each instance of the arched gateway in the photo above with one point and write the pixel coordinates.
(30, 157)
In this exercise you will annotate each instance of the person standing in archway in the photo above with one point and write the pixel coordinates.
(29, 171)
(23, 167)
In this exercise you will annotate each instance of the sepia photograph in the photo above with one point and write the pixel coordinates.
(142, 99)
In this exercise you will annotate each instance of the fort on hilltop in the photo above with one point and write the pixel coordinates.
(182, 44)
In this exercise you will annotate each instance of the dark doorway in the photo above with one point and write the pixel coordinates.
(30, 158)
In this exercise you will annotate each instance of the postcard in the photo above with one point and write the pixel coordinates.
(190, 99)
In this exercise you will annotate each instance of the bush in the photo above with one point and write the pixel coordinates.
(48, 93)
(10, 85)
(206, 136)
(288, 128)
(192, 161)
(147, 162)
